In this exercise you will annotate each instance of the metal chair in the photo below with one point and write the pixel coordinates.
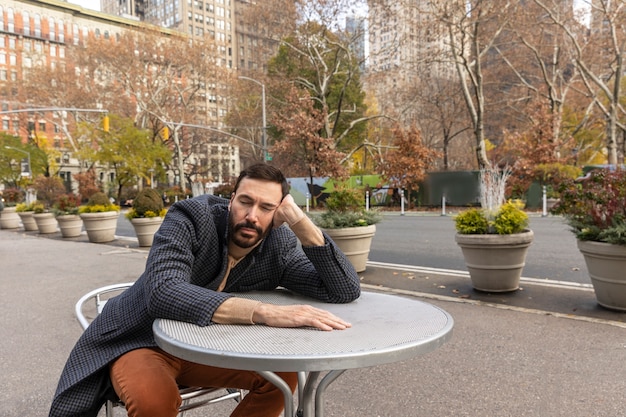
(193, 397)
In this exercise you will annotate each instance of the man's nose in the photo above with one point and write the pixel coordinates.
(253, 214)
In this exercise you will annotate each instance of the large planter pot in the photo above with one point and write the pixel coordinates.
(607, 269)
(145, 228)
(71, 225)
(100, 227)
(9, 219)
(46, 223)
(495, 262)
(28, 221)
(355, 243)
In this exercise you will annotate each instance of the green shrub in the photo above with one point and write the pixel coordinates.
(344, 200)
(23, 207)
(98, 203)
(147, 203)
(337, 220)
(509, 219)
(346, 208)
(471, 222)
(39, 207)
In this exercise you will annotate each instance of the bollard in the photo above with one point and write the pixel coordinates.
(443, 205)
(308, 199)
(367, 200)
(544, 200)
(401, 202)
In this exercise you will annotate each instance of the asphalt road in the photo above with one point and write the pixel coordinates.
(428, 241)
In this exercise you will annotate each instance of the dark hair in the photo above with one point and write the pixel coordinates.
(265, 172)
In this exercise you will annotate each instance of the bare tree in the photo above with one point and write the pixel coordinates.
(473, 28)
(172, 82)
(599, 56)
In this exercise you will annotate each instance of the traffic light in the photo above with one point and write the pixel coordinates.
(105, 123)
(165, 133)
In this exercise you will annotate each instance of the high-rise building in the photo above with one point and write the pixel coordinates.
(406, 46)
(355, 28)
(247, 32)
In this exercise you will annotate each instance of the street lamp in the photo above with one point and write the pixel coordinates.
(264, 133)
(30, 173)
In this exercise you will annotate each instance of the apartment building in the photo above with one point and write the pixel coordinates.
(36, 33)
(248, 33)
(405, 47)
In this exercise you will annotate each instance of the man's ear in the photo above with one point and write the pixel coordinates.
(230, 202)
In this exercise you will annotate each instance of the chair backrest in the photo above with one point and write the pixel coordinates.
(91, 304)
(85, 312)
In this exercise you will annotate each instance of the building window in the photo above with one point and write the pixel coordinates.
(10, 20)
(51, 29)
(75, 34)
(26, 19)
(38, 26)
(61, 31)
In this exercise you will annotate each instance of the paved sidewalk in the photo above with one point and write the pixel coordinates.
(542, 351)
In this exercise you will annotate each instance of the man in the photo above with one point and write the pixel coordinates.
(206, 249)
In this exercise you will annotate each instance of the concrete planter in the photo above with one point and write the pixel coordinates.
(71, 225)
(100, 227)
(495, 262)
(607, 265)
(355, 243)
(28, 221)
(46, 223)
(145, 228)
(9, 219)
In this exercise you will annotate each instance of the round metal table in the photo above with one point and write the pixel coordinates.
(385, 328)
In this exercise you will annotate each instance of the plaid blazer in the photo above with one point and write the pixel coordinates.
(186, 264)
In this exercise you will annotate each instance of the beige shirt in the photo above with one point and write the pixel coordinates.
(234, 310)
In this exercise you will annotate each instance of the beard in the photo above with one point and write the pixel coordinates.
(243, 240)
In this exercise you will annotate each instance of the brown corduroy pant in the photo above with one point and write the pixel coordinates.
(147, 381)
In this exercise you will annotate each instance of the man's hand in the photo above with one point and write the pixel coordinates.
(288, 212)
(297, 316)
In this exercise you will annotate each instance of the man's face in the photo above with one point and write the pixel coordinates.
(252, 211)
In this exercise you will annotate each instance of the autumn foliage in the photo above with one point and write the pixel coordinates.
(408, 163)
(301, 149)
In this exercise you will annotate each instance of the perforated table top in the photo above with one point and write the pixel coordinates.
(385, 328)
